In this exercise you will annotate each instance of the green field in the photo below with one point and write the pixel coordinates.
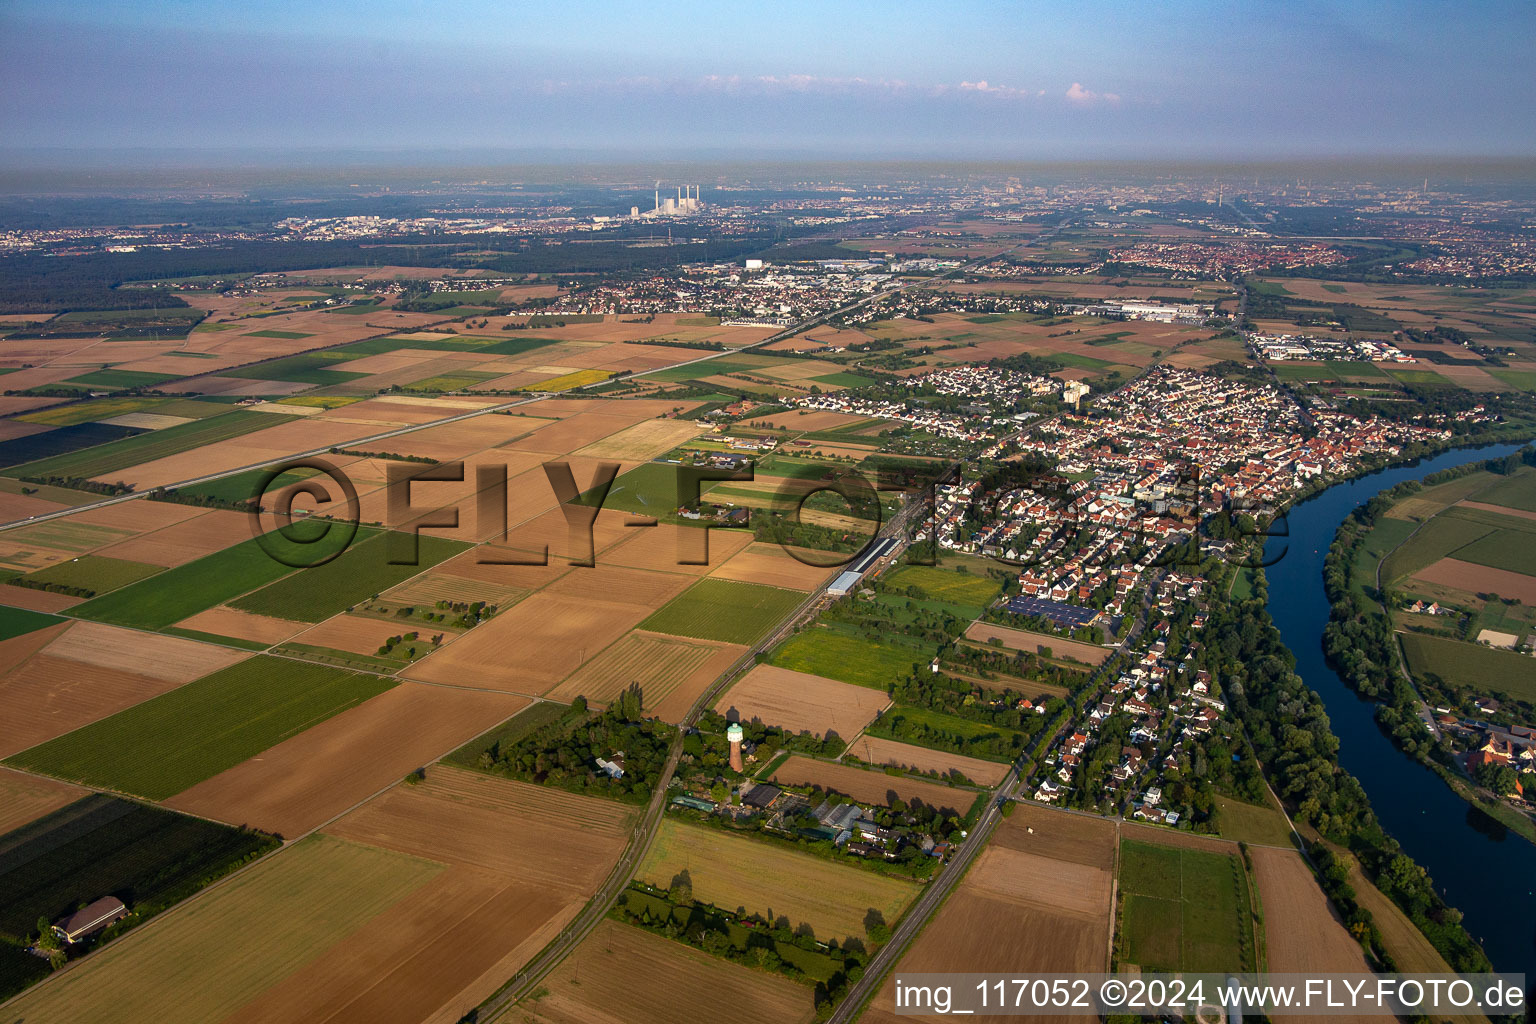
(1435, 540)
(1183, 910)
(958, 588)
(165, 745)
(17, 621)
(95, 572)
(938, 731)
(736, 613)
(1514, 550)
(1525, 380)
(831, 652)
(363, 570)
(188, 589)
(1420, 377)
(242, 486)
(155, 444)
(1473, 666)
(285, 335)
(87, 412)
(456, 381)
(1518, 491)
(1245, 822)
(309, 368)
(120, 379)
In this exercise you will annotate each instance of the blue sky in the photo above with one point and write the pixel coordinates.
(970, 80)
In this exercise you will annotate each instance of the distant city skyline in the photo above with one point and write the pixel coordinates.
(849, 81)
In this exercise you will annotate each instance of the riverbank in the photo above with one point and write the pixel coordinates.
(1362, 646)
(1475, 865)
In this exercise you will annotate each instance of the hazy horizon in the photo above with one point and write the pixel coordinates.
(688, 81)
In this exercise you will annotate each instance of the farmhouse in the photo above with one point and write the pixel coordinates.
(88, 921)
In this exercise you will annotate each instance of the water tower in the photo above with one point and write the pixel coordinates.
(733, 736)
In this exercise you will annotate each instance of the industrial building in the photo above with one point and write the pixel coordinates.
(682, 205)
(849, 578)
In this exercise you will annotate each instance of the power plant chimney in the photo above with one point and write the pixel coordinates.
(733, 736)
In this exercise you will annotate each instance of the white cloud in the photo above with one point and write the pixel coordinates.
(1087, 97)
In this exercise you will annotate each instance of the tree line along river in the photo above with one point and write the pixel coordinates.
(1483, 871)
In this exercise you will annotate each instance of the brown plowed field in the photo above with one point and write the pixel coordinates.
(232, 622)
(623, 973)
(36, 600)
(619, 584)
(18, 649)
(308, 779)
(25, 798)
(800, 701)
(1301, 933)
(534, 644)
(1172, 837)
(1479, 579)
(1023, 640)
(439, 586)
(212, 531)
(1036, 902)
(574, 432)
(771, 565)
(1305, 935)
(522, 860)
(877, 750)
(870, 786)
(161, 657)
(672, 672)
(662, 546)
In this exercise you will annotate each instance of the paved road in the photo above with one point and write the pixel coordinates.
(933, 896)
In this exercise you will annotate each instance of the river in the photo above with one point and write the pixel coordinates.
(1485, 872)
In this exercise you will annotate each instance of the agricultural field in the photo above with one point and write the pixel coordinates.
(174, 741)
(100, 845)
(1471, 666)
(57, 679)
(835, 654)
(799, 702)
(1244, 822)
(973, 593)
(671, 672)
(724, 610)
(1038, 899)
(770, 565)
(288, 911)
(24, 798)
(768, 877)
(115, 456)
(1308, 935)
(926, 727)
(1183, 909)
(1023, 640)
(873, 787)
(364, 569)
(658, 981)
(20, 455)
(95, 573)
(308, 779)
(878, 750)
(190, 588)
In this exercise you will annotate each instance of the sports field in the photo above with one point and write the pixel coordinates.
(1183, 909)
(724, 610)
(166, 744)
(764, 876)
